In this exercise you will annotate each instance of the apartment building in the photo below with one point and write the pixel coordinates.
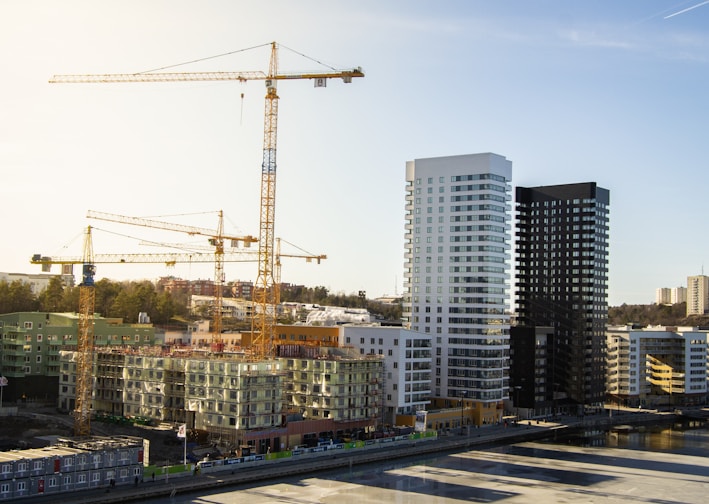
(697, 295)
(235, 400)
(30, 345)
(457, 261)
(71, 465)
(663, 296)
(678, 295)
(332, 383)
(562, 283)
(657, 366)
(407, 360)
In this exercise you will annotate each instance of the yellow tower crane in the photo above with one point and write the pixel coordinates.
(216, 239)
(87, 303)
(265, 291)
(85, 341)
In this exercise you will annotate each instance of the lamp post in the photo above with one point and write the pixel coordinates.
(517, 389)
(462, 396)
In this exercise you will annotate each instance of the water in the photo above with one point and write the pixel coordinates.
(661, 465)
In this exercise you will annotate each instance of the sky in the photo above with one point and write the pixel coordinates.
(568, 90)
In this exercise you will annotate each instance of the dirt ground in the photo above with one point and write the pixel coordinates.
(32, 423)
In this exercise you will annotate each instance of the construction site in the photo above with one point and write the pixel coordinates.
(259, 396)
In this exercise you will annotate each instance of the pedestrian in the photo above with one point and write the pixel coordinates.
(153, 475)
(135, 481)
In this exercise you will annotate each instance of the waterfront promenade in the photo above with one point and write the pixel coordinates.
(475, 438)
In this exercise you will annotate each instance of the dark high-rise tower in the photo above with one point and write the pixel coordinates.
(562, 277)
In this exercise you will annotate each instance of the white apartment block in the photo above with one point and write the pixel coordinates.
(406, 383)
(457, 262)
(657, 366)
(663, 296)
(697, 295)
(670, 296)
(678, 295)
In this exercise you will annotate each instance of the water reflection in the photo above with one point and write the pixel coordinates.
(689, 437)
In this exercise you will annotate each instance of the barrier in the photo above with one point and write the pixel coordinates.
(208, 466)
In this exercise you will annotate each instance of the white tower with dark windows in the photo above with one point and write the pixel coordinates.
(457, 263)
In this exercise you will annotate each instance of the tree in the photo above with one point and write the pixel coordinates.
(51, 299)
(17, 296)
(135, 297)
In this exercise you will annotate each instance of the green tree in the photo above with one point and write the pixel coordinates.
(135, 297)
(17, 296)
(106, 294)
(51, 299)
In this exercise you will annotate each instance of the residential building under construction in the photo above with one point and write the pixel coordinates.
(236, 400)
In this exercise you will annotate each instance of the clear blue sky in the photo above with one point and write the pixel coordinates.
(568, 90)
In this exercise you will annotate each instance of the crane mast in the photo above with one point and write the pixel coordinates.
(265, 292)
(85, 343)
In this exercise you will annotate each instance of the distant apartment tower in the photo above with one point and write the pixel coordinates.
(697, 295)
(562, 277)
(678, 295)
(663, 296)
(457, 256)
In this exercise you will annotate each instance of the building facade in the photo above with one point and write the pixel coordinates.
(678, 295)
(562, 281)
(71, 465)
(235, 400)
(407, 358)
(663, 296)
(30, 343)
(457, 254)
(697, 295)
(658, 366)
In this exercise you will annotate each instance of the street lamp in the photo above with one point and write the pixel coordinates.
(462, 396)
(517, 389)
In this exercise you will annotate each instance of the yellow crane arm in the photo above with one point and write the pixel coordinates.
(169, 226)
(168, 258)
(345, 75)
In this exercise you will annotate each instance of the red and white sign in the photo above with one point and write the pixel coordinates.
(182, 431)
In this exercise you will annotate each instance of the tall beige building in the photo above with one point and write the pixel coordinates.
(697, 295)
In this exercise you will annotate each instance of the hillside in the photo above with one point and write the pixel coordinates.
(647, 315)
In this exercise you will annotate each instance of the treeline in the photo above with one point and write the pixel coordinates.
(127, 299)
(653, 314)
(123, 300)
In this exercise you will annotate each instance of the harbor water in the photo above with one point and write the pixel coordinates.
(666, 463)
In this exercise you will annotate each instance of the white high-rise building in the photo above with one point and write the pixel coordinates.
(457, 262)
(697, 295)
(663, 296)
(678, 295)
